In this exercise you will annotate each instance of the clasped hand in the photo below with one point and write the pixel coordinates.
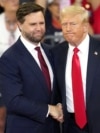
(56, 112)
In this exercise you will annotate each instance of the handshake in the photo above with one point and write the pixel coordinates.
(56, 112)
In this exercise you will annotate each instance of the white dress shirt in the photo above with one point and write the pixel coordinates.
(31, 48)
(83, 56)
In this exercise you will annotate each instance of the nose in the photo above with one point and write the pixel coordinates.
(68, 27)
(38, 27)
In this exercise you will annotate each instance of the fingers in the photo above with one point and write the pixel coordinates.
(56, 112)
(60, 117)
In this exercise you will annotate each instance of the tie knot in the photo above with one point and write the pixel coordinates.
(76, 50)
(37, 49)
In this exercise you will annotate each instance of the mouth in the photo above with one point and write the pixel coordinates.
(38, 35)
(69, 34)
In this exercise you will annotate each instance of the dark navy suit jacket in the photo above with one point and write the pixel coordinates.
(25, 93)
(92, 82)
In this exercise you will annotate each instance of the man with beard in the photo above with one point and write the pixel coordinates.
(27, 93)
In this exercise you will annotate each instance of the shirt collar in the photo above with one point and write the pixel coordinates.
(83, 46)
(30, 46)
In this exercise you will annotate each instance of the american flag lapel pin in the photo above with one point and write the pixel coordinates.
(95, 53)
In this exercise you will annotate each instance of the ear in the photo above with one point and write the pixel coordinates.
(19, 25)
(86, 27)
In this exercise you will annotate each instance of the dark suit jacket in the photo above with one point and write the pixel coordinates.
(92, 82)
(2, 113)
(25, 93)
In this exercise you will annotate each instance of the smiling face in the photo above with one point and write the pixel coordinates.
(74, 29)
(33, 28)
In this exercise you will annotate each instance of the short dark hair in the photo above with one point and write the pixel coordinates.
(27, 8)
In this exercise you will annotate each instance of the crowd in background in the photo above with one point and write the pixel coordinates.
(9, 32)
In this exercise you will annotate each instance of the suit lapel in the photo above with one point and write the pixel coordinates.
(47, 52)
(60, 56)
(93, 60)
(63, 64)
(62, 60)
(31, 64)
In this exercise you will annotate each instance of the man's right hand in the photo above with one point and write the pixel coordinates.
(56, 112)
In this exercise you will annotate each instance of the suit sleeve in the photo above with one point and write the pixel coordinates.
(12, 91)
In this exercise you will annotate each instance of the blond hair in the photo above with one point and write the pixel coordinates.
(74, 10)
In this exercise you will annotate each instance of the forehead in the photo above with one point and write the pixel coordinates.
(35, 17)
(71, 18)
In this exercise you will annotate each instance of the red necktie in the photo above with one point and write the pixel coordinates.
(44, 67)
(78, 97)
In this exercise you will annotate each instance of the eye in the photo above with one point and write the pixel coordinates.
(73, 24)
(64, 24)
(42, 23)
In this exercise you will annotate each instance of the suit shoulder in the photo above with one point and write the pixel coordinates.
(12, 54)
(10, 51)
(13, 50)
(95, 42)
(60, 47)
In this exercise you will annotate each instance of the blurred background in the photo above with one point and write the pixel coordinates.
(9, 31)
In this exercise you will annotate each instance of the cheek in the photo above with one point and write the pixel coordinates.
(86, 29)
(64, 30)
(43, 28)
(29, 29)
(79, 31)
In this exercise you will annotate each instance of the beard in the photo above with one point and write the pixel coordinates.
(33, 38)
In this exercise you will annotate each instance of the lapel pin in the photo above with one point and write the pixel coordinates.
(96, 53)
